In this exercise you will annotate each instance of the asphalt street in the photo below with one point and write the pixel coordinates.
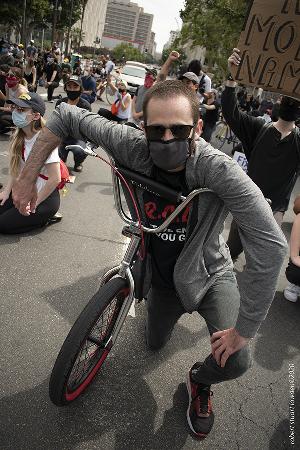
(139, 399)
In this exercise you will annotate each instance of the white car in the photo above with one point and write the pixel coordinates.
(134, 73)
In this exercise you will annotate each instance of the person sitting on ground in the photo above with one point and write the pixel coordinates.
(51, 77)
(66, 69)
(19, 58)
(121, 107)
(15, 85)
(188, 268)
(89, 86)
(73, 88)
(292, 272)
(31, 50)
(30, 74)
(27, 115)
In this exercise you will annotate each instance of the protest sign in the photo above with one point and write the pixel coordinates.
(241, 159)
(270, 47)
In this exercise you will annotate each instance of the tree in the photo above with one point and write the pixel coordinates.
(131, 53)
(37, 13)
(215, 25)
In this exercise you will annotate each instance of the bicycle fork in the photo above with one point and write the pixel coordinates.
(124, 271)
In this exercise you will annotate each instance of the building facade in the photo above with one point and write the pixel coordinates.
(93, 22)
(127, 22)
(173, 35)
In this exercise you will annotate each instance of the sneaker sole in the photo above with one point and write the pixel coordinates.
(290, 297)
(198, 435)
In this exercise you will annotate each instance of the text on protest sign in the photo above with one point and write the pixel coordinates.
(270, 47)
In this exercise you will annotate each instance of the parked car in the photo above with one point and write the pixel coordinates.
(134, 73)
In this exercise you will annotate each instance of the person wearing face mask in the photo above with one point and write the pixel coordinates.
(27, 116)
(272, 151)
(73, 88)
(15, 85)
(137, 101)
(30, 74)
(121, 107)
(187, 267)
(89, 86)
(51, 77)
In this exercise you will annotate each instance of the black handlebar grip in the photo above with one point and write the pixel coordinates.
(150, 185)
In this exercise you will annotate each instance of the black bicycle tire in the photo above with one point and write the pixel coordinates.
(216, 141)
(77, 337)
(225, 137)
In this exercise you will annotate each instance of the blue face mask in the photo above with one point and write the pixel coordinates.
(20, 119)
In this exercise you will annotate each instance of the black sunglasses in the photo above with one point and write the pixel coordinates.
(156, 132)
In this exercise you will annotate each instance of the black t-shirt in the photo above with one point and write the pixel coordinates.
(212, 115)
(166, 246)
(49, 69)
(272, 162)
(273, 166)
(84, 104)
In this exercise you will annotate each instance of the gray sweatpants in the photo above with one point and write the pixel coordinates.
(219, 308)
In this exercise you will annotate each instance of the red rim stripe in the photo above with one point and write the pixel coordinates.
(72, 395)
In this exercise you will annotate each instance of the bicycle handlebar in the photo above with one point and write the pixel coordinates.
(147, 184)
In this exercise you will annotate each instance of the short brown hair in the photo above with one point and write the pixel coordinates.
(172, 89)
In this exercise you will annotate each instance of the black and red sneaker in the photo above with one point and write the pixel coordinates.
(199, 404)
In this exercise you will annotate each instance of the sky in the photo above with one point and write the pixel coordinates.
(165, 14)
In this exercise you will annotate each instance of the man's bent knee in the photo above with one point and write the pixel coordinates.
(238, 363)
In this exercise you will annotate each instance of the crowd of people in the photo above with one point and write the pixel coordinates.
(165, 133)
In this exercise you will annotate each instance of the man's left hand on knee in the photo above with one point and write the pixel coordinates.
(226, 342)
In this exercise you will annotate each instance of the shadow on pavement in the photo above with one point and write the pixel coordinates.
(15, 238)
(276, 347)
(281, 436)
(118, 409)
(108, 190)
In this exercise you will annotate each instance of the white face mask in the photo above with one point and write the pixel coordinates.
(20, 119)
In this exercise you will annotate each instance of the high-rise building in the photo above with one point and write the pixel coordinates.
(152, 45)
(93, 22)
(173, 35)
(127, 22)
(143, 30)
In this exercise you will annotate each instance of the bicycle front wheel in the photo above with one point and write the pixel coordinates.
(84, 351)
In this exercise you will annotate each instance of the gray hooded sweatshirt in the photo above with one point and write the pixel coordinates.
(205, 255)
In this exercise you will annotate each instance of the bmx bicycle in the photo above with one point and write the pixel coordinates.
(224, 135)
(96, 329)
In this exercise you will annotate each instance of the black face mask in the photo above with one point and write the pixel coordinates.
(122, 90)
(73, 95)
(289, 109)
(169, 155)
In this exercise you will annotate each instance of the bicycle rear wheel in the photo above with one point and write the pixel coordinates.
(220, 135)
(84, 351)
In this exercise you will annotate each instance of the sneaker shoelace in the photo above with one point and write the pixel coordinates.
(204, 395)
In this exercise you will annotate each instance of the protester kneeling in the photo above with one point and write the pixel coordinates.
(27, 112)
